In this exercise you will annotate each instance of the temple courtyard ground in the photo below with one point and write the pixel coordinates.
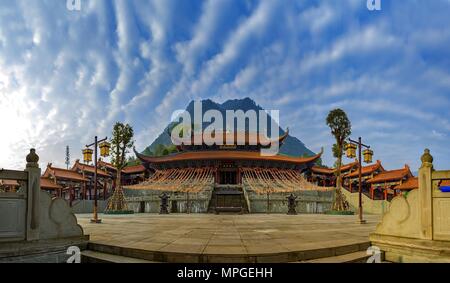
(227, 238)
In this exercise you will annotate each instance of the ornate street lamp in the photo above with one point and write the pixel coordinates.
(350, 149)
(87, 155)
(368, 154)
(104, 151)
(104, 148)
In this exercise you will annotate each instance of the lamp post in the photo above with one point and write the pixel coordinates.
(87, 153)
(351, 153)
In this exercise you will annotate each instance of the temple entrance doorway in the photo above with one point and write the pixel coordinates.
(228, 177)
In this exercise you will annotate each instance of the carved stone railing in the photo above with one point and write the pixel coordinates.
(31, 216)
(417, 227)
(19, 211)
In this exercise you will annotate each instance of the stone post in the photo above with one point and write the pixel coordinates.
(33, 192)
(425, 196)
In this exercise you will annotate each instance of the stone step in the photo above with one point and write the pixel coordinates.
(180, 257)
(99, 257)
(356, 257)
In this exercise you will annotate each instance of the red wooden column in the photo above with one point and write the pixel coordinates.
(351, 188)
(371, 191)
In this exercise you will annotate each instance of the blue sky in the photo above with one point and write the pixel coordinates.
(66, 76)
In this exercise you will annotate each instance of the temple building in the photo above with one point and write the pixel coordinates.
(104, 180)
(71, 184)
(77, 183)
(228, 178)
(351, 180)
(50, 186)
(407, 186)
(387, 181)
(130, 175)
(324, 176)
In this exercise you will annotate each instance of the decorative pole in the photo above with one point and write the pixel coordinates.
(95, 144)
(96, 220)
(360, 145)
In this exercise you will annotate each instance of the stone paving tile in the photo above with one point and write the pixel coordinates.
(265, 249)
(193, 241)
(187, 248)
(224, 242)
(145, 246)
(210, 249)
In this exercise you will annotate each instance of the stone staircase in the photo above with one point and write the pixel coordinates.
(103, 253)
(230, 188)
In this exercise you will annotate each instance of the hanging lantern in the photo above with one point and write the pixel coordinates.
(104, 148)
(350, 149)
(87, 155)
(368, 154)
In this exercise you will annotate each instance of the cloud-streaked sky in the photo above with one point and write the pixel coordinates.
(66, 76)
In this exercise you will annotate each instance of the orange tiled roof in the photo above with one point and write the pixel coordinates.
(349, 166)
(391, 175)
(445, 183)
(46, 183)
(134, 169)
(366, 170)
(102, 163)
(127, 170)
(322, 170)
(225, 155)
(63, 174)
(410, 184)
(329, 171)
(89, 168)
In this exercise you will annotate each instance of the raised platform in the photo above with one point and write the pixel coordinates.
(251, 238)
(42, 251)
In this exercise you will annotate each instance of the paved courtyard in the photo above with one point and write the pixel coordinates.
(227, 234)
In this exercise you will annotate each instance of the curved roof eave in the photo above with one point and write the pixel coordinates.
(224, 155)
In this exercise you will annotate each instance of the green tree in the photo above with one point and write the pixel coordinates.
(132, 161)
(159, 148)
(121, 142)
(341, 129)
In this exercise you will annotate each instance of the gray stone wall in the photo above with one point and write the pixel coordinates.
(151, 202)
(307, 202)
